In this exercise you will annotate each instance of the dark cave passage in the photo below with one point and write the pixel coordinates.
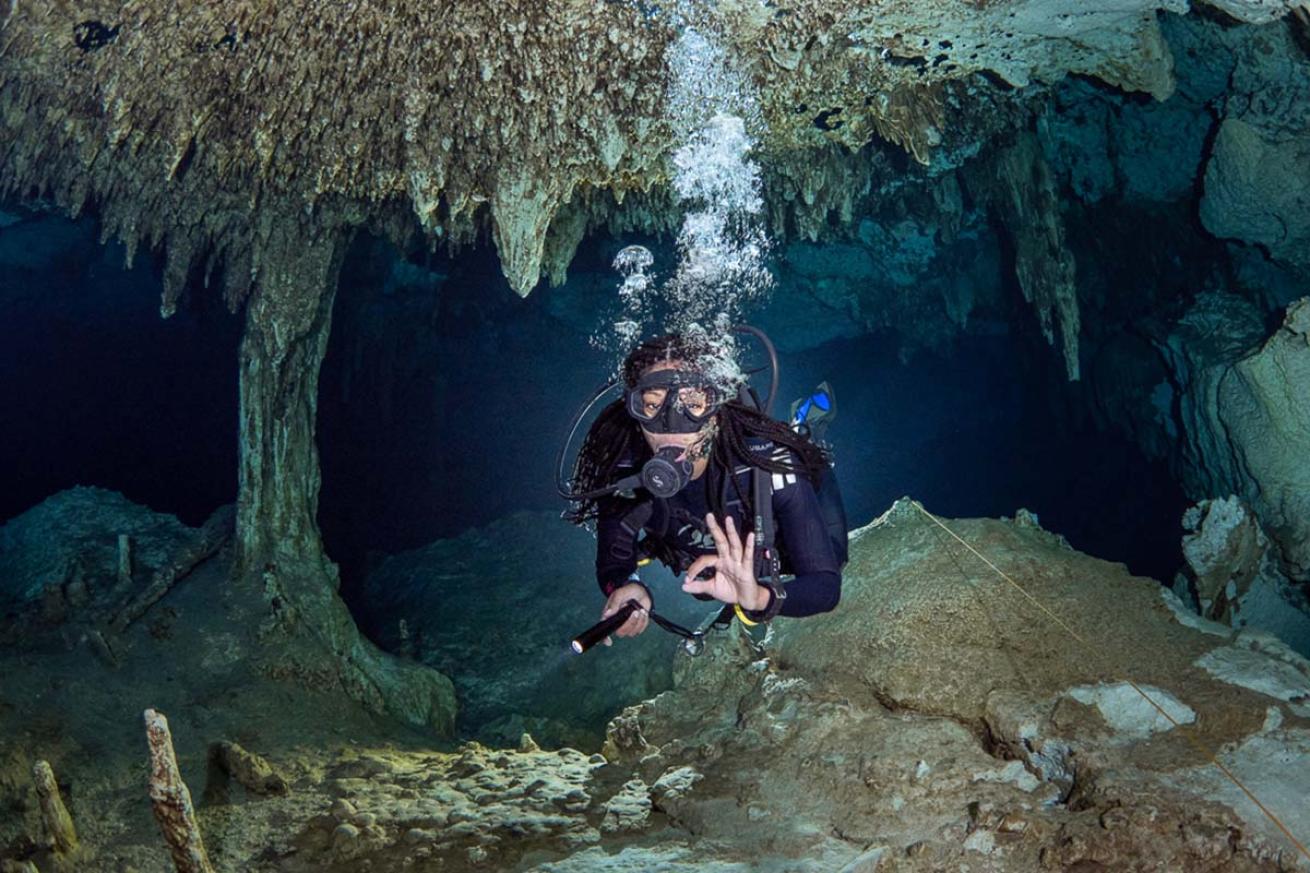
(444, 399)
(983, 431)
(98, 389)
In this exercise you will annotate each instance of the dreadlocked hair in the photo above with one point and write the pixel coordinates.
(615, 435)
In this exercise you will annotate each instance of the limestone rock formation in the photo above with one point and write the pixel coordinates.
(1256, 187)
(937, 719)
(198, 119)
(1237, 576)
(1263, 406)
(1245, 420)
(1225, 404)
(82, 561)
(1256, 190)
(1020, 187)
(71, 586)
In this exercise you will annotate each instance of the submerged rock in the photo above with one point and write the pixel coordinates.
(1236, 575)
(496, 607)
(943, 716)
(940, 714)
(71, 539)
(1246, 424)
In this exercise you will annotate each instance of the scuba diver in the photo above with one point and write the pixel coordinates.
(712, 486)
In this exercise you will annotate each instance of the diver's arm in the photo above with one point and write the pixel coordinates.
(616, 546)
(802, 533)
(617, 526)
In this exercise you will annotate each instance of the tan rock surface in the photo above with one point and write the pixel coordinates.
(934, 721)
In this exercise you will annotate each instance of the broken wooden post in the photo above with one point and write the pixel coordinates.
(172, 801)
(58, 823)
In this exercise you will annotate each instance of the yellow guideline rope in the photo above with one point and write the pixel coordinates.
(1070, 631)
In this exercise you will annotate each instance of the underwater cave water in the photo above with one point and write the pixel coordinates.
(442, 407)
(441, 411)
(1021, 283)
(98, 389)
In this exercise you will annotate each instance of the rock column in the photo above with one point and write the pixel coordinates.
(279, 547)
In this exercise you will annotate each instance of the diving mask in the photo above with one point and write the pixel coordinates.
(673, 401)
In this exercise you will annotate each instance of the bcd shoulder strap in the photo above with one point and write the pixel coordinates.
(767, 564)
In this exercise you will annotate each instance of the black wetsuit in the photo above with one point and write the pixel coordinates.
(678, 526)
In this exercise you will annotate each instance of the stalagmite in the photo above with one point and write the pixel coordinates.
(172, 800)
(58, 823)
(249, 770)
(213, 534)
(124, 560)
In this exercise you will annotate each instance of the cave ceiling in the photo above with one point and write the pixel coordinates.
(203, 130)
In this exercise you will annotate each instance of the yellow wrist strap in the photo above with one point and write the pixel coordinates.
(741, 615)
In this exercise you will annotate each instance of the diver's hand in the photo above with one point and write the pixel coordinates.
(636, 622)
(734, 568)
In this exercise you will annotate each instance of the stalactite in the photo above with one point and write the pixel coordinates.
(179, 155)
(1018, 185)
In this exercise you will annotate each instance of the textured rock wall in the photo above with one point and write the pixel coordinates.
(1239, 414)
(1257, 179)
(1237, 575)
(1264, 414)
(183, 122)
(1168, 312)
(939, 719)
(1231, 415)
(936, 720)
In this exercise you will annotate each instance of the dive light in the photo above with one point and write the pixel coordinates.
(603, 628)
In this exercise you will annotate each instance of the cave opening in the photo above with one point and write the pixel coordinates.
(99, 390)
(444, 399)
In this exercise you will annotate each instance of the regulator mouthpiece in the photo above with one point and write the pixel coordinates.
(664, 475)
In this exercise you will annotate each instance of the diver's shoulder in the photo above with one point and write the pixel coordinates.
(764, 452)
(762, 447)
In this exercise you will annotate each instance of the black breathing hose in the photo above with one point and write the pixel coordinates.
(773, 362)
(568, 441)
